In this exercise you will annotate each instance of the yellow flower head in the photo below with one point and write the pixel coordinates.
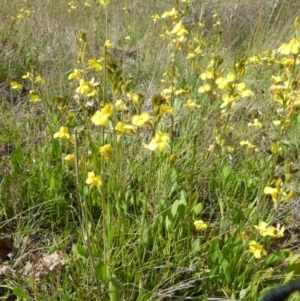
(120, 105)
(223, 82)
(173, 13)
(94, 64)
(34, 96)
(40, 80)
(28, 75)
(190, 103)
(108, 44)
(293, 47)
(134, 97)
(15, 85)
(104, 3)
(105, 151)
(264, 230)
(274, 192)
(123, 128)
(200, 225)
(86, 88)
(257, 249)
(209, 74)
(75, 74)
(204, 88)
(248, 144)
(162, 109)
(160, 142)
(102, 117)
(63, 133)
(141, 120)
(70, 158)
(179, 30)
(93, 180)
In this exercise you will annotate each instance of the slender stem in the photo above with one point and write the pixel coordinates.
(83, 223)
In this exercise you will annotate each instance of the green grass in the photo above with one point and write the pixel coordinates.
(187, 153)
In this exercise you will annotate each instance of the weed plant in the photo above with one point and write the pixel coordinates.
(149, 151)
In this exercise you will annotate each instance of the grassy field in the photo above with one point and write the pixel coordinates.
(149, 149)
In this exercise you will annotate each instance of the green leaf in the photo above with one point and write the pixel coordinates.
(276, 257)
(174, 208)
(102, 272)
(114, 289)
(289, 276)
(145, 297)
(226, 268)
(79, 250)
(169, 223)
(196, 245)
(198, 208)
(182, 197)
(214, 251)
(111, 236)
(20, 293)
(225, 173)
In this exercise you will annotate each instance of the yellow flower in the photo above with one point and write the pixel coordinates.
(179, 29)
(15, 85)
(33, 96)
(275, 192)
(229, 100)
(141, 120)
(241, 87)
(247, 93)
(123, 128)
(293, 47)
(277, 79)
(93, 180)
(28, 76)
(190, 56)
(204, 89)
(200, 225)
(70, 158)
(163, 109)
(257, 249)
(75, 74)
(86, 88)
(160, 142)
(104, 3)
(102, 117)
(155, 17)
(255, 123)
(230, 149)
(63, 133)
(135, 98)
(264, 230)
(94, 64)
(275, 148)
(209, 74)
(120, 105)
(180, 91)
(173, 13)
(191, 103)
(39, 79)
(248, 144)
(108, 44)
(280, 232)
(99, 118)
(223, 82)
(105, 151)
